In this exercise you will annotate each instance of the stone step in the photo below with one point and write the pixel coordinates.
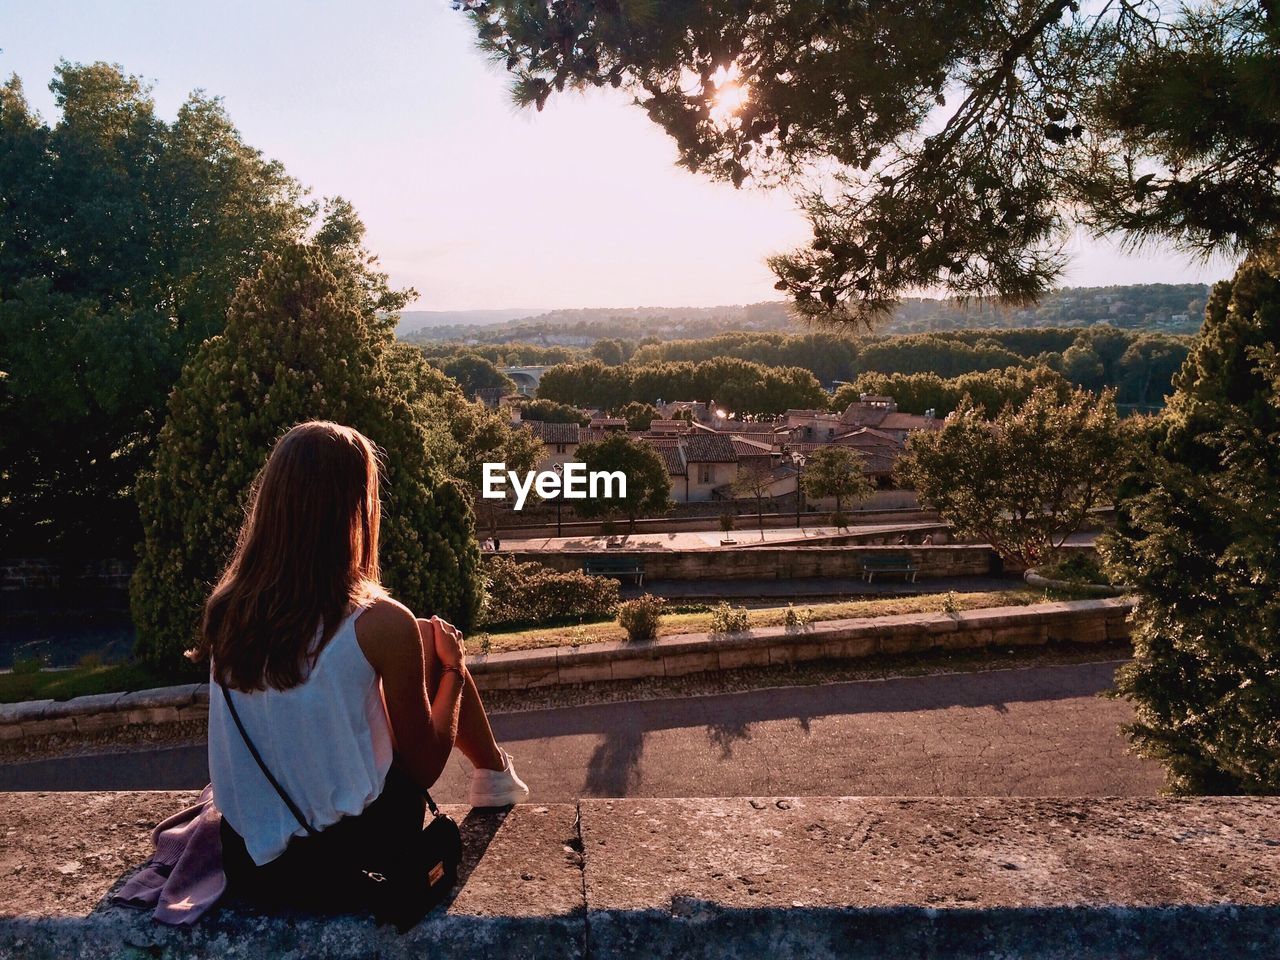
(822, 877)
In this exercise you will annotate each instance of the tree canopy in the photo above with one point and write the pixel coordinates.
(1024, 481)
(836, 472)
(122, 240)
(648, 483)
(948, 146)
(737, 385)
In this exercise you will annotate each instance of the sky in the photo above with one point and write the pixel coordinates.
(473, 202)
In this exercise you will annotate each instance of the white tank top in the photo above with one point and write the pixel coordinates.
(327, 741)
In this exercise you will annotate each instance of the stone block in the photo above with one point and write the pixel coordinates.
(969, 638)
(48, 726)
(734, 658)
(1022, 635)
(863, 878)
(83, 706)
(913, 641)
(589, 672)
(682, 664)
(636, 667)
(157, 697)
(850, 648)
(519, 893)
(25, 711)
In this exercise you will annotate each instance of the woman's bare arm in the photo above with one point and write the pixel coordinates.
(424, 731)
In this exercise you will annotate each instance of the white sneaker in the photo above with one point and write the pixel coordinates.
(497, 788)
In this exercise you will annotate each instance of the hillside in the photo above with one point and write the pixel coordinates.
(1167, 308)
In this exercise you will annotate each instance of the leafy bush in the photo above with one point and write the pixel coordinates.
(1075, 567)
(641, 617)
(531, 593)
(27, 666)
(729, 619)
(794, 619)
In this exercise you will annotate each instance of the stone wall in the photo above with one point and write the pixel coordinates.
(781, 563)
(823, 878)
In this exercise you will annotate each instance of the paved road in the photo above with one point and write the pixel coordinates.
(1039, 731)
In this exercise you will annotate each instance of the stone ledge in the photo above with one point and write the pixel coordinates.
(1021, 879)
(1087, 621)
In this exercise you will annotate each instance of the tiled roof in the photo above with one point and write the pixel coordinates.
(672, 459)
(908, 421)
(709, 448)
(868, 437)
(747, 447)
(554, 432)
(668, 426)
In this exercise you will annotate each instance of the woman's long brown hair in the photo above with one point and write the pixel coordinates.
(307, 552)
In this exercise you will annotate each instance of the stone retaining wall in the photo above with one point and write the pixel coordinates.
(1079, 621)
(854, 878)
(781, 563)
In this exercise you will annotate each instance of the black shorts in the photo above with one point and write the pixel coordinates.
(316, 872)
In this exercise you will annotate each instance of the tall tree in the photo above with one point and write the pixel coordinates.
(1196, 536)
(301, 342)
(122, 240)
(944, 145)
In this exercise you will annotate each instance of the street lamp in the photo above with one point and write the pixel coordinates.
(559, 471)
(798, 459)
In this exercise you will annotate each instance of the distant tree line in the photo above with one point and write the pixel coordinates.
(761, 373)
(739, 386)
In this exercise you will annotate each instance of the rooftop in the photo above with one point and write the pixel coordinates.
(709, 448)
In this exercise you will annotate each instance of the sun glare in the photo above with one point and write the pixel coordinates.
(731, 94)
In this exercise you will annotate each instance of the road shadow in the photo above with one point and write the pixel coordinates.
(622, 722)
(614, 767)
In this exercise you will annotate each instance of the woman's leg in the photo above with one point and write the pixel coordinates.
(475, 736)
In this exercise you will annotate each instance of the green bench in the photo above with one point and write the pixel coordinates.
(893, 563)
(615, 567)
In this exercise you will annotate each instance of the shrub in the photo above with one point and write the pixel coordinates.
(531, 593)
(1075, 567)
(640, 617)
(27, 666)
(729, 619)
(794, 619)
(302, 341)
(727, 521)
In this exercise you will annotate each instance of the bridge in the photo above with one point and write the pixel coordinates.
(526, 378)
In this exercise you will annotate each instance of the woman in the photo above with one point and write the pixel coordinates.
(352, 703)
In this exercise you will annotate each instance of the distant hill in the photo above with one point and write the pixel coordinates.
(413, 320)
(1164, 307)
